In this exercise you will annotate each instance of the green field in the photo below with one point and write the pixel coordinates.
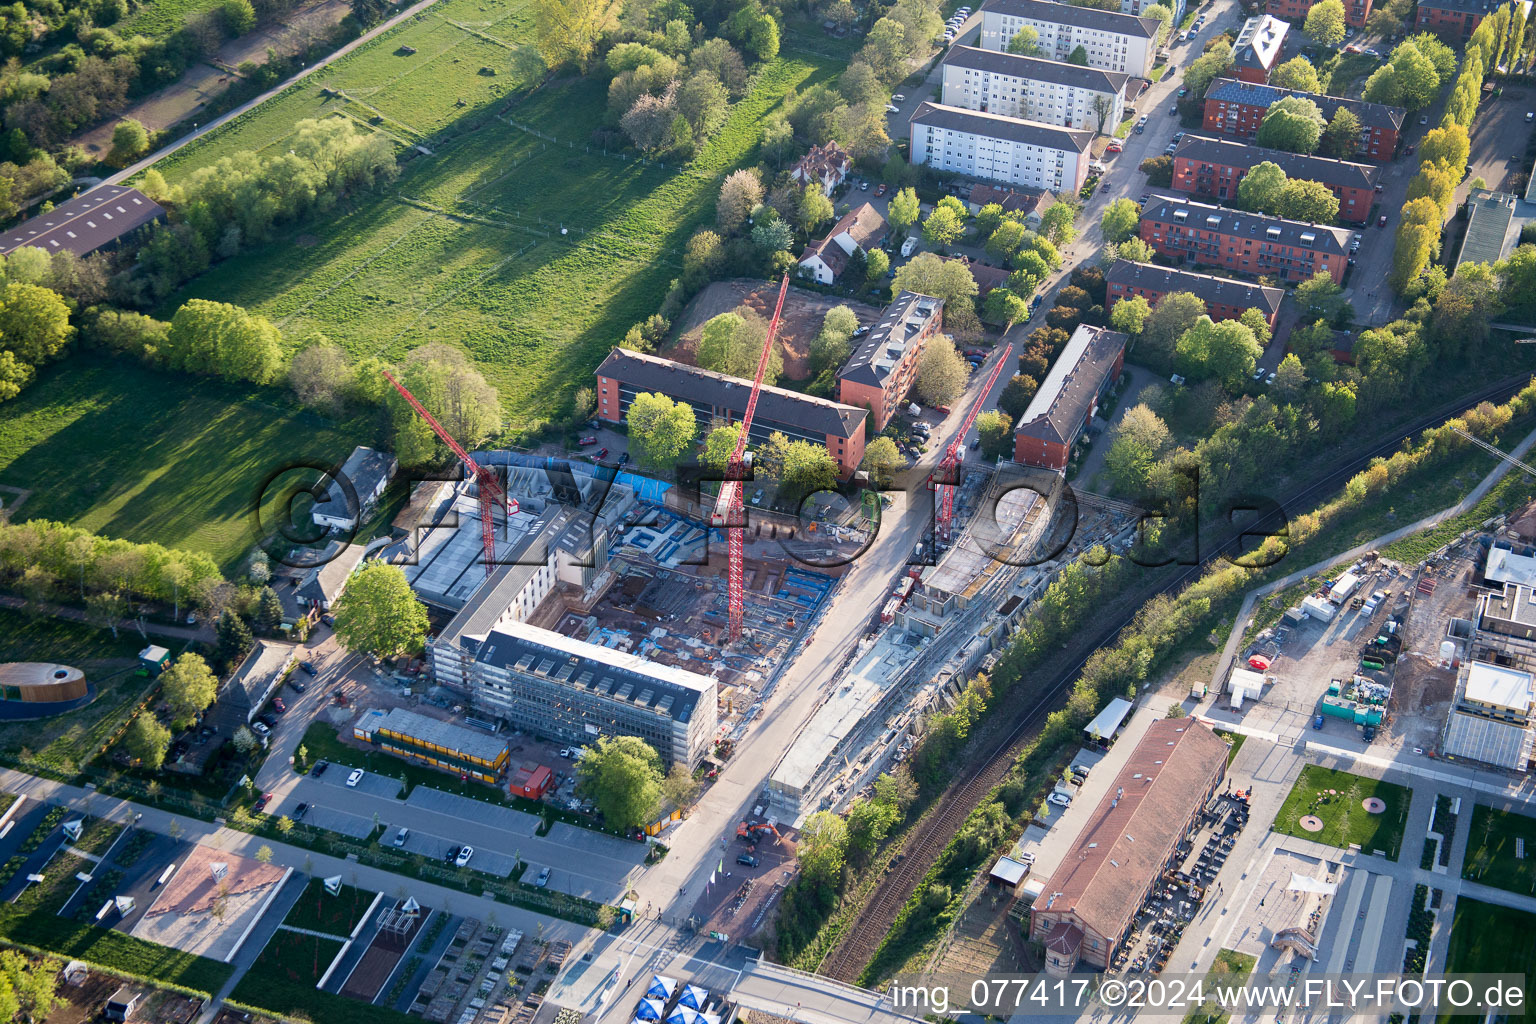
(466, 246)
(114, 949)
(283, 980)
(1344, 820)
(126, 451)
(1491, 850)
(24, 638)
(1492, 940)
(319, 911)
(160, 17)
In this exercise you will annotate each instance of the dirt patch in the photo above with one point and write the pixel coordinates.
(803, 313)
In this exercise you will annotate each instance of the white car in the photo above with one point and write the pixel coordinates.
(891, 108)
(1270, 379)
(401, 836)
(260, 729)
(1059, 799)
(354, 778)
(543, 879)
(899, 97)
(465, 852)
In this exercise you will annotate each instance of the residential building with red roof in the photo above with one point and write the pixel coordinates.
(1247, 243)
(1236, 109)
(860, 228)
(1213, 167)
(1068, 398)
(1224, 298)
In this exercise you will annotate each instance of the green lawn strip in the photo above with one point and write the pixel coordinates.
(1491, 850)
(1234, 743)
(50, 895)
(1345, 821)
(1490, 939)
(114, 949)
(26, 637)
(1229, 968)
(319, 911)
(158, 457)
(283, 979)
(96, 835)
(160, 17)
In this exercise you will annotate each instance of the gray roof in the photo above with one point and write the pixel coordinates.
(705, 387)
(1258, 94)
(1058, 410)
(882, 348)
(366, 469)
(1494, 222)
(995, 126)
(85, 223)
(455, 739)
(1325, 237)
(1259, 42)
(323, 584)
(519, 647)
(1295, 165)
(258, 674)
(1208, 288)
(1035, 69)
(1082, 17)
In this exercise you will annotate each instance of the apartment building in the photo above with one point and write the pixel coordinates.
(880, 372)
(1224, 298)
(718, 397)
(1236, 109)
(1258, 47)
(998, 148)
(1455, 20)
(1112, 40)
(1355, 11)
(1067, 400)
(1247, 243)
(1213, 167)
(1031, 89)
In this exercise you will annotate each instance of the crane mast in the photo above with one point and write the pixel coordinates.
(946, 476)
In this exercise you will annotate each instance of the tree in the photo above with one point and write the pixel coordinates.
(1309, 201)
(1341, 138)
(264, 853)
(1016, 395)
(815, 208)
(130, 140)
(941, 373)
(929, 274)
(679, 788)
(660, 429)
(34, 323)
(1259, 190)
(1407, 79)
(1292, 124)
(1296, 73)
(1078, 56)
(740, 193)
(943, 226)
(31, 986)
(1121, 220)
(994, 429)
(147, 741)
(1448, 148)
(1130, 314)
(1226, 351)
(453, 391)
(622, 776)
(1290, 379)
(189, 687)
(773, 235)
(320, 375)
(1025, 43)
(1059, 223)
(238, 15)
(567, 31)
(234, 638)
(1320, 299)
(882, 460)
(244, 740)
(904, 211)
(1141, 440)
(876, 265)
(830, 348)
(1467, 303)
(805, 467)
(1004, 307)
(702, 101)
(218, 338)
(1325, 23)
(1208, 67)
(1164, 15)
(821, 849)
(1159, 171)
(650, 120)
(1174, 314)
(378, 613)
(732, 343)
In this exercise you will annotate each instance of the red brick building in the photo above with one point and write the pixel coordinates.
(719, 398)
(881, 370)
(1236, 109)
(1246, 243)
(1212, 167)
(1454, 20)
(1068, 398)
(1258, 47)
(1224, 298)
(1355, 11)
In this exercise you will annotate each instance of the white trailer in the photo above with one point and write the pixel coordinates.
(1344, 588)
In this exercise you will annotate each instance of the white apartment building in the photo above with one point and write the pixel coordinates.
(997, 148)
(1113, 41)
(1048, 91)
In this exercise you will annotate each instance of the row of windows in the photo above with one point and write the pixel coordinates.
(437, 748)
(413, 755)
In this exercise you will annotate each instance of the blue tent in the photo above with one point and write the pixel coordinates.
(661, 988)
(694, 997)
(649, 1009)
(681, 1015)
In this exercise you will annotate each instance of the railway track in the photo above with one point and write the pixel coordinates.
(917, 855)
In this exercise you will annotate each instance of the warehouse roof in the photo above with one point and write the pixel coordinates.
(1210, 289)
(1081, 17)
(85, 223)
(883, 348)
(1036, 69)
(699, 386)
(1058, 410)
(1258, 94)
(1317, 237)
(1232, 153)
(455, 739)
(994, 126)
(1136, 826)
(1499, 686)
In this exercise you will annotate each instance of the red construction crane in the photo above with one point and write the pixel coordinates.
(489, 488)
(946, 476)
(730, 514)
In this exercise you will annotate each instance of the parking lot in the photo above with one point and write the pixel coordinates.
(435, 847)
(1499, 138)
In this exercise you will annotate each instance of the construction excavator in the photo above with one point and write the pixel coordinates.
(756, 831)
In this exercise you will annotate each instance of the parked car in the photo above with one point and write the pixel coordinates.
(462, 858)
(587, 441)
(565, 752)
(401, 836)
(298, 685)
(452, 854)
(1060, 799)
(1381, 221)
(355, 778)
(319, 768)
(309, 668)
(1258, 374)
(260, 729)
(899, 97)
(863, 186)
(859, 332)
(300, 811)
(602, 453)
(623, 458)
(267, 719)
(543, 879)
(279, 706)
(1271, 378)
(261, 804)
(1423, 119)
(747, 859)
(1115, 147)
(891, 108)
(880, 189)
(1173, 111)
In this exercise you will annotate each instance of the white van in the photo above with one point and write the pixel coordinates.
(908, 246)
